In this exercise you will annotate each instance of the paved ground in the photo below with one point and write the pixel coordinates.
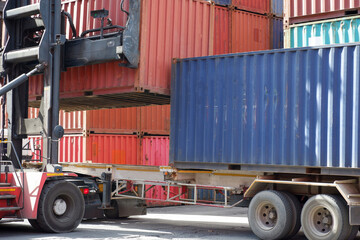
(184, 222)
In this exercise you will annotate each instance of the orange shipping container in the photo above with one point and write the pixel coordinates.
(168, 29)
(249, 32)
(154, 120)
(240, 31)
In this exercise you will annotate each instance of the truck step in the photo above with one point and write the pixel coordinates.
(7, 196)
(5, 184)
(23, 12)
(9, 208)
(22, 55)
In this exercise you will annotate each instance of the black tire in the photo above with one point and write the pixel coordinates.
(322, 209)
(35, 224)
(353, 233)
(61, 207)
(270, 215)
(296, 209)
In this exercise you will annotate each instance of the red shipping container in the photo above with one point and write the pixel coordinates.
(249, 32)
(155, 152)
(257, 6)
(298, 11)
(97, 148)
(240, 31)
(169, 29)
(112, 149)
(153, 120)
(222, 30)
(117, 149)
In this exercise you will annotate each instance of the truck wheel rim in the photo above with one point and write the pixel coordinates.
(321, 222)
(266, 216)
(60, 206)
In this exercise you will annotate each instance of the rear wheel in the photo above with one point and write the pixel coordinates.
(326, 217)
(270, 215)
(61, 207)
(296, 209)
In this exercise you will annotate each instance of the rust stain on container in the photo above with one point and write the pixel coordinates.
(169, 29)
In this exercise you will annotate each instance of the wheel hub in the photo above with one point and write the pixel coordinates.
(59, 206)
(322, 220)
(266, 216)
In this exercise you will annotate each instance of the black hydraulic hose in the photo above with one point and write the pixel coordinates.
(122, 8)
(71, 22)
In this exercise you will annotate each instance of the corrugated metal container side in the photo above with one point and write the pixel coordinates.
(112, 149)
(71, 149)
(339, 30)
(147, 120)
(249, 32)
(222, 30)
(155, 151)
(308, 7)
(257, 6)
(277, 8)
(122, 120)
(155, 120)
(167, 31)
(277, 33)
(302, 11)
(285, 109)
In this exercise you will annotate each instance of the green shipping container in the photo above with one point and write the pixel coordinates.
(339, 30)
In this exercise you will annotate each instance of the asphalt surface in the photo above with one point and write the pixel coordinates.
(182, 222)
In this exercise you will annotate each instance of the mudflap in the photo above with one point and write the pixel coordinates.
(92, 205)
(131, 207)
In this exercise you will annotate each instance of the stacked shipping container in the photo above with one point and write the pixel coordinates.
(169, 29)
(193, 28)
(321, 22)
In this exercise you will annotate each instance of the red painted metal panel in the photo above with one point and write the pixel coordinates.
(122, 120)
(112, 149)
(222, 32)
(169, 29)
(71, 149)
(155, 120)
(155, 151)
(258, 6)
(149, 120)
(250, 32)
(307, 7)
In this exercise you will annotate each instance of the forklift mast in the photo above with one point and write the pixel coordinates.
(36, 44)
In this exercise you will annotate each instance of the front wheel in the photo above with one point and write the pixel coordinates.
(61, 207)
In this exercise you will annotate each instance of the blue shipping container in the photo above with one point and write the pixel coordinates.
(277, 33)
(222, 2)
(275, 109)
(277, 8)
